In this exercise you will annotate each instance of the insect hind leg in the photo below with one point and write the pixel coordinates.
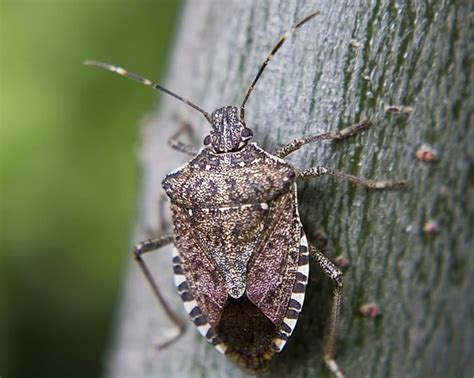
(153, 245)
(333, 272)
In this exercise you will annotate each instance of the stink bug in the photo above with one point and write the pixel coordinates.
(241, 258)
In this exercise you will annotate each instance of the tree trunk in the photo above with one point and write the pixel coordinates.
(348, 64)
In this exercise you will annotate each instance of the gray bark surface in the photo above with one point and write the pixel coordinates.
(348, 64)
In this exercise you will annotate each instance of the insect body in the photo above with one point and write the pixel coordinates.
(242, 254)
(241, 259)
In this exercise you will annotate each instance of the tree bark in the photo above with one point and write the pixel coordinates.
(348, 64)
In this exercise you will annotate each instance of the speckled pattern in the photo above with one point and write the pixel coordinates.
(247, 176)
(238, 234)
(271, 273)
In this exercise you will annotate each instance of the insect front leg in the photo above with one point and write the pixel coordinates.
(139, 250)
(184, 128)
(335, 274)
(367, 183)
(296, 144)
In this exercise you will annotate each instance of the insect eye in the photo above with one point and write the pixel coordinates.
(246, 133)
(207, 140)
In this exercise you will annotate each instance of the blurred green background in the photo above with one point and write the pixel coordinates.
(69, 173)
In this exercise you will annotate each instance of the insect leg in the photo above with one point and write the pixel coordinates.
(370, 184)
(180, 146)
(336, 275)
(296, 144)
(139, 250)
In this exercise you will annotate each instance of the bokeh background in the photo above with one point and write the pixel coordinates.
(69, 142)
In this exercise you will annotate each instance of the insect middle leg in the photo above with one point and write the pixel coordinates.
(296, 144)
(370, 184)
(139, 250)
(184, 128)
(336, 275)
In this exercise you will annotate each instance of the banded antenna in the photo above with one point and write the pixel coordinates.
(280, 42)
(145, 81)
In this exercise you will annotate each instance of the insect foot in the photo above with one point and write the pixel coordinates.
(241, 256)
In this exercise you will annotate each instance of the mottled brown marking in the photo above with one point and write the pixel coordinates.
(229, 239)
(236, 185)
(274, 265)
(204, 280)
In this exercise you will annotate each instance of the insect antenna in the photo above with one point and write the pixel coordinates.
(145, 81)
(280, 42)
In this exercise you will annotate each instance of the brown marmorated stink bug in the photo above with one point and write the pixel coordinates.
(241, 258)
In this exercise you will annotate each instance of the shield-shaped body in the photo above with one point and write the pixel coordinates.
(241, 257)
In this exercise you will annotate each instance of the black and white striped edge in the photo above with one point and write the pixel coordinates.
(297, 297)
(192, 307)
